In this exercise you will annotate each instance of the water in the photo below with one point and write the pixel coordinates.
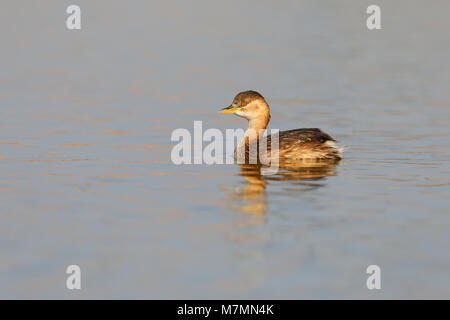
(85, 170)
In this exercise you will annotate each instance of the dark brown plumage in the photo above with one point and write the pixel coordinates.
(309, 144)
(245, 97)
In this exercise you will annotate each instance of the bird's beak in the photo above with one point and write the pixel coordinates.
(230, 109)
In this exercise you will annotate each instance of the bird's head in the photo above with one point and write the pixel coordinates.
(249, 105)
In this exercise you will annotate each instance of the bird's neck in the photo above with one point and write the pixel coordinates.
(257, 124)
(254, 130)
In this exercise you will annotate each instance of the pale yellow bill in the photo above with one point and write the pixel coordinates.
(229, 109)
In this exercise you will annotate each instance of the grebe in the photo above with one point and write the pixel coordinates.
(297, 144)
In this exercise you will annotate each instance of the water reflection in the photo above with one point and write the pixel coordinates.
(252, 198)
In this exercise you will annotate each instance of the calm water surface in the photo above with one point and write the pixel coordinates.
(85, 170)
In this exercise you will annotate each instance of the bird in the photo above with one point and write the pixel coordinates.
(297, 145)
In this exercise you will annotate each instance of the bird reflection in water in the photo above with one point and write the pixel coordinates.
(252, 197)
